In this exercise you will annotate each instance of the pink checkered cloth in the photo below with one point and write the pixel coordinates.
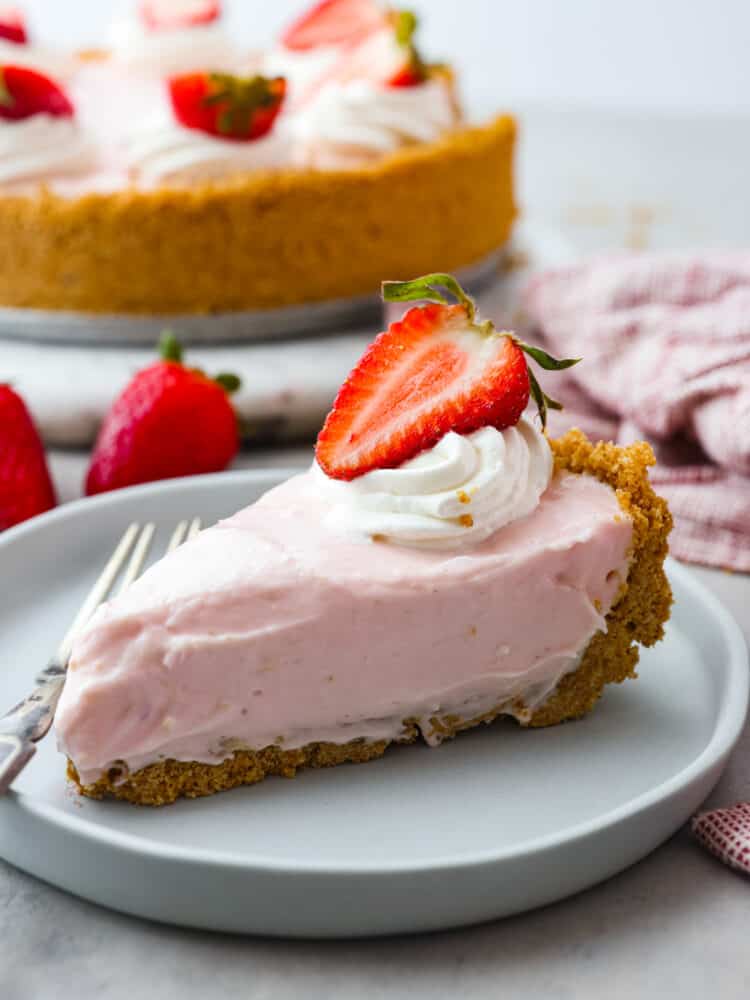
(665, 342)
(726, 834)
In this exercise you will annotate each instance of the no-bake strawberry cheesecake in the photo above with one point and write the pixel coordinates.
(175, 171)
(441, 563)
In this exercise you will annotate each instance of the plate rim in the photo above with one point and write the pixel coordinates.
(728, 725)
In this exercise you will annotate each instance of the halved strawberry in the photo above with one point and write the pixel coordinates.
(160, 15)
(387, 57)
(13, 26)
(229, 107)
(24, 93)
(334, 22)
(439, 369)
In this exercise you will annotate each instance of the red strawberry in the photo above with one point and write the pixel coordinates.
(387, 56)
(25, 485)
(334, 22)
(166, 14)
(437, 370)
(13, 26)
(24, 93)
(168, 421)
(230, 107)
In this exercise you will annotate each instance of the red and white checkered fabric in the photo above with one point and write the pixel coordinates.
(726, 834)
(665, 342)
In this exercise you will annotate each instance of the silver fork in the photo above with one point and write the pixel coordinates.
(30, 720)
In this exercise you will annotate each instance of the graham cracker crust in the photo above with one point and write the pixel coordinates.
(638, 616)
(265, 240)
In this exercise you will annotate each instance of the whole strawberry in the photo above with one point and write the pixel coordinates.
(169, 421)
(235, 108)
(25, 485)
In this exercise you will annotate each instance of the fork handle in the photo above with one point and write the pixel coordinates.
(15, 754)
(31, 718)
(28, 722)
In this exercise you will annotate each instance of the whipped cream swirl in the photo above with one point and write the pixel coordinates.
(453, 495)
(359, 121)
(167, 51)
(164, 151)
(302, 69)
(41, 148)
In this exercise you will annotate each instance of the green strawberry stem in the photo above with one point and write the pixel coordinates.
(405, 25)
(230, 383)
(170, 349)
(6, 99)
(429, 288)
(242, 97)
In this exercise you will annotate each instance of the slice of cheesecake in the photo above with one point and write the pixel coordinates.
(490, 572)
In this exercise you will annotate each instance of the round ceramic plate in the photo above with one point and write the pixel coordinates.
(498, 821)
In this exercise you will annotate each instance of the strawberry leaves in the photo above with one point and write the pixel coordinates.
(170, 349)
(549, 364)
(237, 99)
(427, 287)
(227, 106)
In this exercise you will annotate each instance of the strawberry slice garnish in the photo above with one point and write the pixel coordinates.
(229, 107)
(170, 420)
(13, 26)
(334, 22)
(438, 369)
(160, 15)
(387, 57)
(24, 93)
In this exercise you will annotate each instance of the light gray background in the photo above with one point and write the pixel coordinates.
(670, 54)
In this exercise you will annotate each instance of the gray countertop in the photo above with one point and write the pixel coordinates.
(676, 924)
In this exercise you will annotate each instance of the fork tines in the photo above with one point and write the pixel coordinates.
(135, 544)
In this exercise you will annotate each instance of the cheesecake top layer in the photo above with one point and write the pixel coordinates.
(339, 112)
(273, 628)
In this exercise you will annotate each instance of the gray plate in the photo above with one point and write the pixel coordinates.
(499, 821)
(58, 326)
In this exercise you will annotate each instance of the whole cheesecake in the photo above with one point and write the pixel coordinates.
(441, 564)
(121, 200)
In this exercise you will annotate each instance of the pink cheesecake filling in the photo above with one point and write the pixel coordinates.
(270, 628)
